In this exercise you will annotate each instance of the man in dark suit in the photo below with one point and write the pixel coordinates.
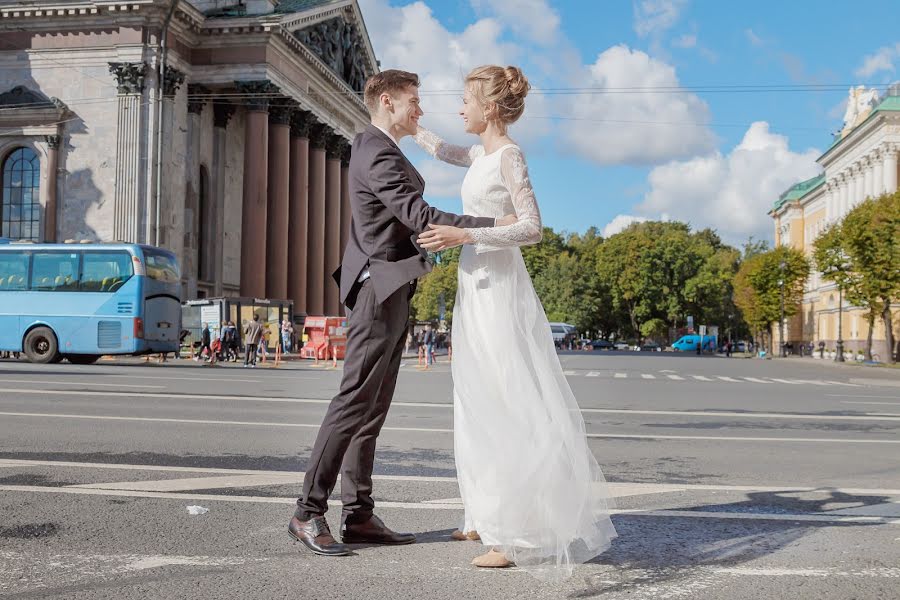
(377, 280)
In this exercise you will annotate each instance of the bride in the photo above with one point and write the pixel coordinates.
(531, 488)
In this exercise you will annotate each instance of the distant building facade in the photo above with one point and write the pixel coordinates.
(233, 154)
(861, 163)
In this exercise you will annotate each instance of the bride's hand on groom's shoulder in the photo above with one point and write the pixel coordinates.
(441, 237)
(507, 220)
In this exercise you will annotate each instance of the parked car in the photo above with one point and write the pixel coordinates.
(651, 347)
(688, 343)
(602, 345)
(622, 346)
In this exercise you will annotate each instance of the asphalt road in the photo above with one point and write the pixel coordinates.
(735, 478)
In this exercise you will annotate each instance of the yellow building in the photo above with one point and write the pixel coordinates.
(861, 163)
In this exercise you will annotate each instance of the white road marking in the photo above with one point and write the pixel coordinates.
(729, 379)
(752, 415)
(620, 375)
(788, 381)
(211, 498)
(701, 378)
(594, 374)
(569, 373)
(648, 376)
(55, 382)
(878, 403)
(755, 380)
(890, 572)
(439, 430)
(842, 383)
(675, 377)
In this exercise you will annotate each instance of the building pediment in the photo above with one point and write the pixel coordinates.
(338, 44)
(22, 107)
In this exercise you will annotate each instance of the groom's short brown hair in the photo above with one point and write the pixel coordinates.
(390, 81)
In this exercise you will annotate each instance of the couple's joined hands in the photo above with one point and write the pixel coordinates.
(441, 237)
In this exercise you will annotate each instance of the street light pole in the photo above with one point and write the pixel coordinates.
(840, 339)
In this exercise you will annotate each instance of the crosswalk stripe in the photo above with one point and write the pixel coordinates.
(594, 374)
(568, 372)
(701, 378)
(675, 377)
(755, 380)
(731, 379)
(842, 383)
(785, 381)
(620, 375)
(648, 376)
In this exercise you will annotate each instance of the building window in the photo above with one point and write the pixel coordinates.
(21, 216)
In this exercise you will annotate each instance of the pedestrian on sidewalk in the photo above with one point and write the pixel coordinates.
(728, 349)
(253, 331)
(287, 335)
(428, 341)
(205, 343)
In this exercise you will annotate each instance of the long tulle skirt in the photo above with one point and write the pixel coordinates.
(528, 480)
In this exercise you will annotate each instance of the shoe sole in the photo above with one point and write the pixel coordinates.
(298, 540)
(379, 543)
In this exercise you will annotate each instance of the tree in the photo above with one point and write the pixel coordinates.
(761, 281)
(441, 281)
(870, 234)
(538, 256)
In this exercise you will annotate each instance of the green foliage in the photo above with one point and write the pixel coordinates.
(441, 280)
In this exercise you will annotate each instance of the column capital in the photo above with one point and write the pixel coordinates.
(281, 111)
(257, 94)
(197, 97)
(223, 110)
(318, 135)
(53, 141)
(301, 123)
(333, 145)
(172, 80)
(129, 76)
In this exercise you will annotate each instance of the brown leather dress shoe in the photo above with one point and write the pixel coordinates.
(315, 535)
(373, 531)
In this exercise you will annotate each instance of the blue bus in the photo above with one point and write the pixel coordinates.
(81, 301)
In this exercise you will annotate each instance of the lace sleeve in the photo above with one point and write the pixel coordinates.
(441, 150)
(528, 229)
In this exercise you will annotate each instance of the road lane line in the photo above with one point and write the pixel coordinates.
(54, 382)
(701, 413)
(569, 373)
(594, 374)
(878, 403)
(620, 375)
(675, 377)
(701, 378)
(842, 383)
(788, 381)
(431, 505)
(439, 430)
(755, 380)
(728, 379)
(648, 376)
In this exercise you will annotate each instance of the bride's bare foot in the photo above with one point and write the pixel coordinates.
(462, 537)
(491, 560)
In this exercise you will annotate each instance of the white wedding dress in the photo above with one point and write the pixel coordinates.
(528, 480)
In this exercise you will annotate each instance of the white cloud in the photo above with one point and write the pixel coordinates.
(882, 60)
(441, 180)
(688, 40)
(754, 39)
(532, 19)
(731, 193)
(619, 223)
(653, 17)
(635, 128)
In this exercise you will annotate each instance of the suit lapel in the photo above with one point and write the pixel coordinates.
(415, 174)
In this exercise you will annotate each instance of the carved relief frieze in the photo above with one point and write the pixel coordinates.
(339, 45)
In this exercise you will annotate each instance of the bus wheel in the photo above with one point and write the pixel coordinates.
(41, 346)
(83, 359)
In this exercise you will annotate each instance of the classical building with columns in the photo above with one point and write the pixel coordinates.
(218, 129)
(861, 163)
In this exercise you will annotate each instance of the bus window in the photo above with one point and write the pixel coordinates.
(54, 272)
(13, 271)
(161, 266)
(105, 272)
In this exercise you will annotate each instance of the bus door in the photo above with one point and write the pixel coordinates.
(162, 301)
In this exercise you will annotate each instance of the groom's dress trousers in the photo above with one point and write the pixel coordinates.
(388, 213)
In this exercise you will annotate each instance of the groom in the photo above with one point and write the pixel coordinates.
(377, 279)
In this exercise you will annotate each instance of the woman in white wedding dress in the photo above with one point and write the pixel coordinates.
(531, 488)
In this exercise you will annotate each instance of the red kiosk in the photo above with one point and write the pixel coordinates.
(324, 335)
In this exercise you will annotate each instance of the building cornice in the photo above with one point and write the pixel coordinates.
(858, 135)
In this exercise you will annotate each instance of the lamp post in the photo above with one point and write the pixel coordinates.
(837, 270)
(840, 340)
(781, 266)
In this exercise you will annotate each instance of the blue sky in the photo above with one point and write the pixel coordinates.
(689, 151)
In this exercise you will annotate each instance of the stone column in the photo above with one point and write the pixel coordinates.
(277, 214)
(127, 200)
(860, 192)
(186, 238)
(890, 169)
(298, 232)
(877, 173)
(841, 197)
(829, 201)
(222, 113)
(868, 187)
(332, 222)
(166, 162)
(52, 208)
(315, 289)
(256, 186)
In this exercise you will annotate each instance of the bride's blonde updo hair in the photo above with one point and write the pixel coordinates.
(506, 88)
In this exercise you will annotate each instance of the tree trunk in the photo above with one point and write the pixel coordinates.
(888, 330)
(871, 320)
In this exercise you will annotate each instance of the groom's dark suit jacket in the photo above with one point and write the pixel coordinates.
(388, 213)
